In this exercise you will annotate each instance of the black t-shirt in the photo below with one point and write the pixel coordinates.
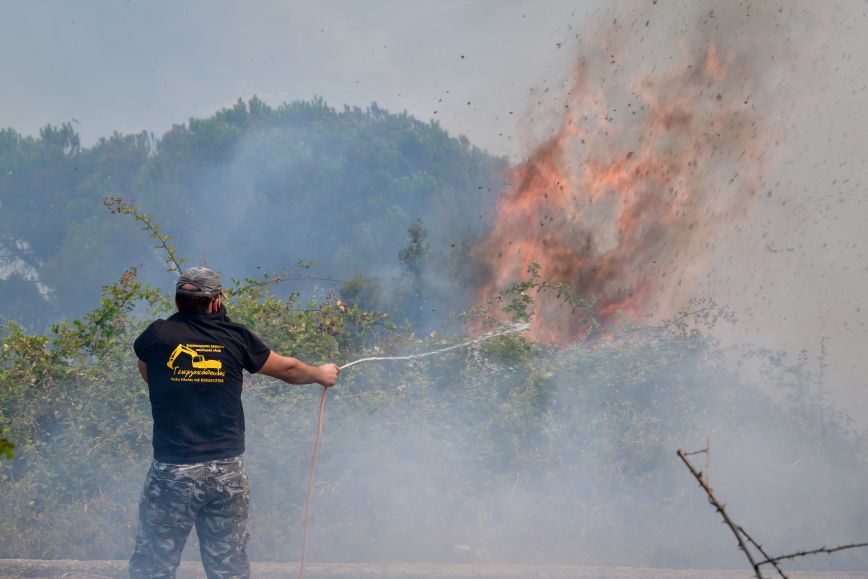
(194, 381)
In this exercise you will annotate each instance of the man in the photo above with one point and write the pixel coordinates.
(193, 365)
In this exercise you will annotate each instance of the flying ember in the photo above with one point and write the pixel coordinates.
(624, 201)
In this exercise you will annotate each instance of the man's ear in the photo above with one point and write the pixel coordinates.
(215, 306)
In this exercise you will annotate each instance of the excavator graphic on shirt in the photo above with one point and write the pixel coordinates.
(199, 361)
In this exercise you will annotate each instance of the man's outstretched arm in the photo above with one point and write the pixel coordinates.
(294, 371)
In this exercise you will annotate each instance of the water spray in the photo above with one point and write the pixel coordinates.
(510, 328)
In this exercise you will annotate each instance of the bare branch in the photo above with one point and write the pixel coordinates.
(707, 452)
(740, 534)
(762, 552)
(692, 453)
(720, 509)
(828, 550)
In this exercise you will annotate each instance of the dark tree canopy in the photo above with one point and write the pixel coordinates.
(250, 188)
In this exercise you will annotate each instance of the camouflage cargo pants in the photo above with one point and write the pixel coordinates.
(213, 496)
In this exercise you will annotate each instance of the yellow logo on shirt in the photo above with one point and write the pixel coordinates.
(203, 369)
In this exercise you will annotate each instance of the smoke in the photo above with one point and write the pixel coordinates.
(515, 452)
(513, 455)
(663, 153)
(655, 158)
(339, 189)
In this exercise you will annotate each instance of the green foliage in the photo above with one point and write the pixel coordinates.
(364, 292)
(101, 327)
(7, 449)
(75, 392)
(298, 180)
(413, 255)
(585, 434)
(565, 451)
(51, 221)
(518, 302)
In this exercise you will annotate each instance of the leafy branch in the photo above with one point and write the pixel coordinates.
(519, 301)
(108, 321)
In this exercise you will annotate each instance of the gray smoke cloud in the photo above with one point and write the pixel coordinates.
(403, 454)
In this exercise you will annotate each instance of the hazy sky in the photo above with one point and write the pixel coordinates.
(135, 65)
(795, 271)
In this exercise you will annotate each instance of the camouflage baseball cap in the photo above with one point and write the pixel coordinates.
(206, 280)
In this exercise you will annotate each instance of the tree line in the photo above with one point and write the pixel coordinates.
(252, 188)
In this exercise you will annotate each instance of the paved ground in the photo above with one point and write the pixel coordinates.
(193, 569)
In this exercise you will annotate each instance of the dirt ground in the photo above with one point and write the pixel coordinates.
(193, 569)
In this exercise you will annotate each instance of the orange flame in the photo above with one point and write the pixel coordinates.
(624, 201)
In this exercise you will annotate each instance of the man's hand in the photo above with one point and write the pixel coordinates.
(328, 374)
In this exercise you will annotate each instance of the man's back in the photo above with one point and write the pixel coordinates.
(195, 363)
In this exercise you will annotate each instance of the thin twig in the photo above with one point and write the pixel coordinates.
(828, 550)
(708, 462)
(720, 509)
(695, 452)
(685, 315)
(118, 205)
(762, 552)
(161, 239)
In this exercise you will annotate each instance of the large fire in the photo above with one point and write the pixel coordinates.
(624, 200)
